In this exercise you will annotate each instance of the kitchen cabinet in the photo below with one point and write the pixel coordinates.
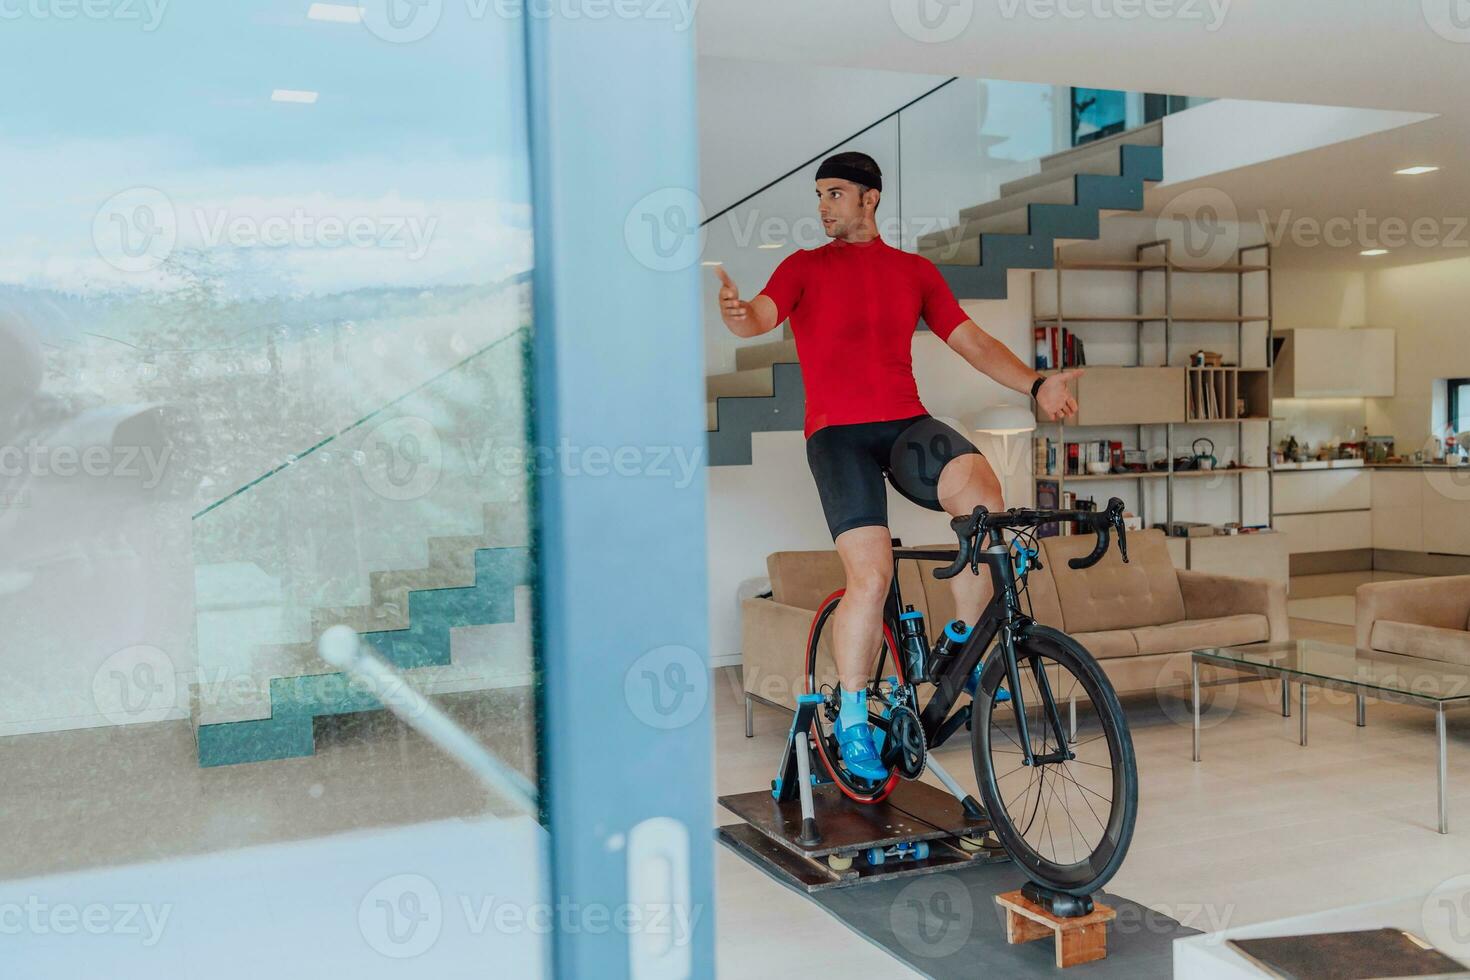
(1313, 491)
(1336, 531)
(1398, 510)
(1323, 362)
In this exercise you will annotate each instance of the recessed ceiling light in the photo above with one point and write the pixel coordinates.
(336, 13)
(293, 95)
(1374, 251)
(770, 245)
(1412, 171)
(711, 263)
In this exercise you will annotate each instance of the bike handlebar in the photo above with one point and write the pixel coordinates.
(971, 529)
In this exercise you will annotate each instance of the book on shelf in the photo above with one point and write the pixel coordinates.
(1055, 458)
(1058, 347)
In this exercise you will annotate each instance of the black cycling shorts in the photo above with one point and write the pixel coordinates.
(850, 463)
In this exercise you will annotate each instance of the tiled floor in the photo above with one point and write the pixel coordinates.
(1260, 829)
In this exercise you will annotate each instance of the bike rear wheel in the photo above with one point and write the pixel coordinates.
(820, 673)
(1066, 823)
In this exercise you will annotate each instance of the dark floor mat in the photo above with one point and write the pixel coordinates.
(947, 925)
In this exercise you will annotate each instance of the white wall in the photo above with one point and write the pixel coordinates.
(1427, 306)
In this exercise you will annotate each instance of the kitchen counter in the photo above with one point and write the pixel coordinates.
(1347, 464)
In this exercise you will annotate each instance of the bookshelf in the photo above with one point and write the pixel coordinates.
(1159, 393)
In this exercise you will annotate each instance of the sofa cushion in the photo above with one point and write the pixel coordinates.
(804, 578)
(1108, 643)
(1429, 642)
(1199, 634)
(1111, 595)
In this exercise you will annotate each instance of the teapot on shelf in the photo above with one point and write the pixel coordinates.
(1204, 460)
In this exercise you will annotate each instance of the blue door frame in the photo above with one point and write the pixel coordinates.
(624, 694)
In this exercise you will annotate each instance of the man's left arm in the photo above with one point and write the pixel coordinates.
(994, 359)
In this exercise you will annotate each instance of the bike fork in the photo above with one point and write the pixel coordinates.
(1018, 705)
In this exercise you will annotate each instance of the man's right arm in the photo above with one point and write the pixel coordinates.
(744, 319)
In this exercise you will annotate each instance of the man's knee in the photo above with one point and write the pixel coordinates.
(869, 583)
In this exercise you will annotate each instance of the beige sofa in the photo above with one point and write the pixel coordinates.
(1134, 618)
(1427, 617)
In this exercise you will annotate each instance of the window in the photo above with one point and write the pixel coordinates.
(1459, 404)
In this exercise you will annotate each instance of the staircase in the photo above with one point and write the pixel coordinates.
(480, 581)
(1021, 229)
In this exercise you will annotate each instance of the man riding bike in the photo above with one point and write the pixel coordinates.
(854, 305)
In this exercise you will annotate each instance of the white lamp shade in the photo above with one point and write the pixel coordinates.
(1004, 420)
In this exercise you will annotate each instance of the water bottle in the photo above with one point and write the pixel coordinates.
(950, 641)
(915, 645)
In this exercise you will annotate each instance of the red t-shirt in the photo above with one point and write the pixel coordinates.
(854, 308)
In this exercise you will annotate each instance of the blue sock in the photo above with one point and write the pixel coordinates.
(854, 708)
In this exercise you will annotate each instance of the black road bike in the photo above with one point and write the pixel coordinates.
(1050, 745)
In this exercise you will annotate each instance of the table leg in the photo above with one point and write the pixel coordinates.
(1194, 701)
(1285, 697)
(1301, 687)
(1362, 711)
(749, 727)
(1444, 820)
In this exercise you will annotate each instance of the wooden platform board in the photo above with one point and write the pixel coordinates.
(813, 874)
(1081, 939)
(914, 812)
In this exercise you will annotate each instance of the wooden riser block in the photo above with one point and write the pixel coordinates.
(1078, 940)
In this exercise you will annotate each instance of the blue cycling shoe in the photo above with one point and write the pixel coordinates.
(859, 755)
(973, 681)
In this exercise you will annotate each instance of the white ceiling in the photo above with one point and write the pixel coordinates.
(1387, 54)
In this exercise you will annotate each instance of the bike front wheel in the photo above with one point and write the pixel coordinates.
(1067, 822)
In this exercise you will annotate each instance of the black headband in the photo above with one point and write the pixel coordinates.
(842, 171)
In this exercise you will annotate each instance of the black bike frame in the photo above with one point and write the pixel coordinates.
(1002, 616)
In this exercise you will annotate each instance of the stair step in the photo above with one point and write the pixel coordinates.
(1090, 158)
(764, 355)
(755, 383)
(1151, 134)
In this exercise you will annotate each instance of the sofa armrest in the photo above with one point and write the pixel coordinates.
(1207, 595)
(773, 649)
(1443, 602)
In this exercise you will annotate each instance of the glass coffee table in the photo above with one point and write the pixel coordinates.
(1365, 673)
